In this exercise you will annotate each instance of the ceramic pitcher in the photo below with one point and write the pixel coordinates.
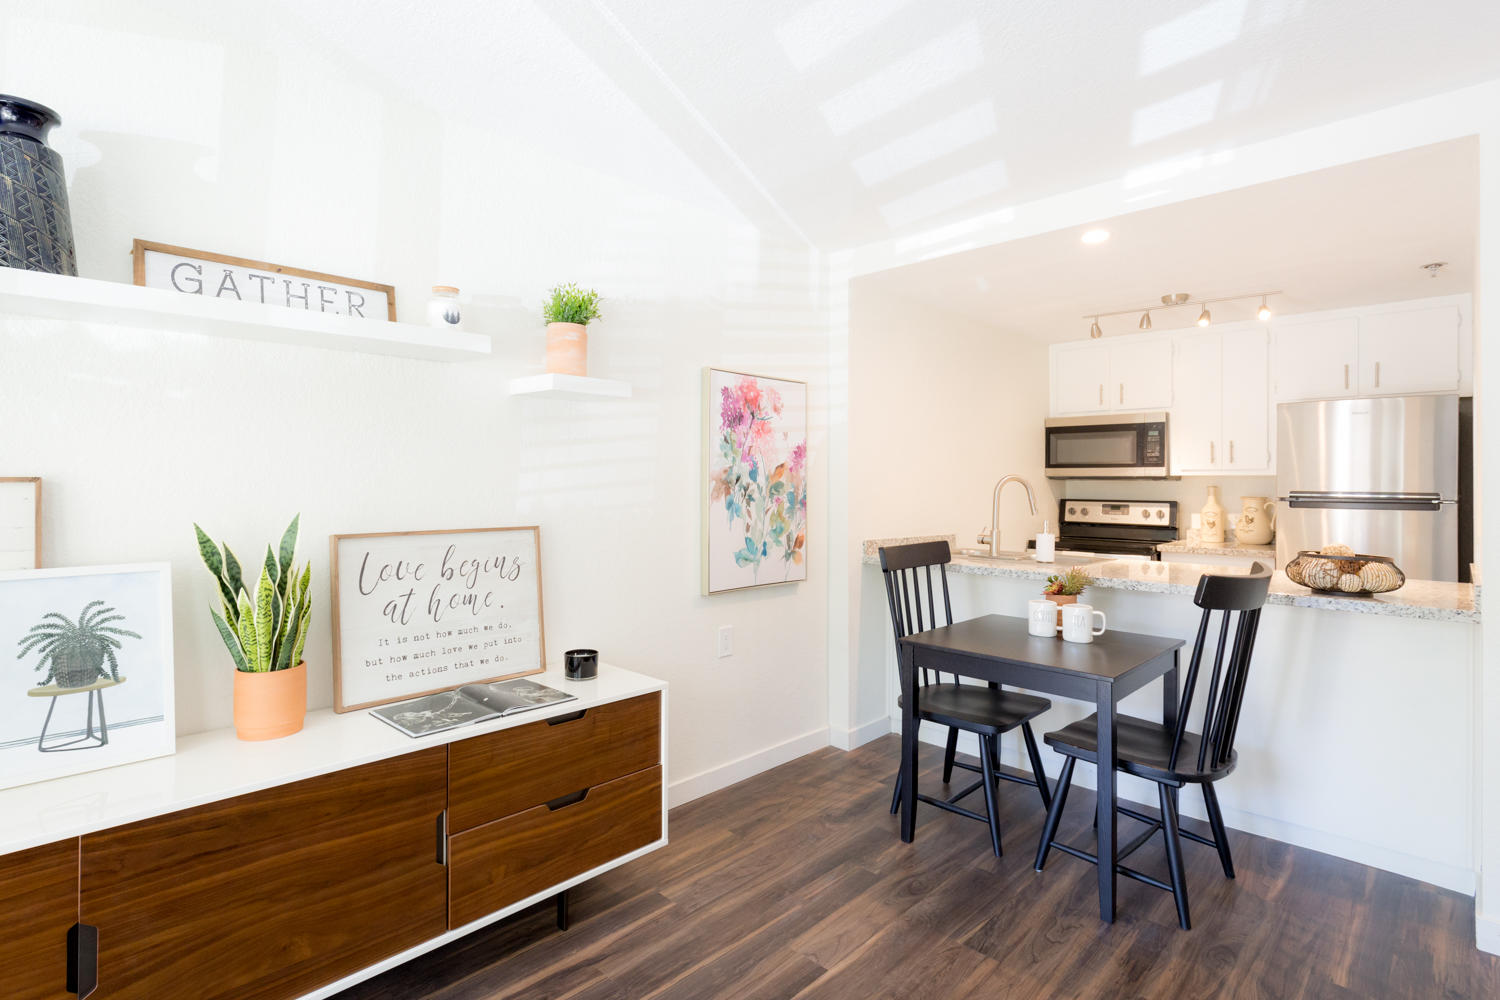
(1257, 521)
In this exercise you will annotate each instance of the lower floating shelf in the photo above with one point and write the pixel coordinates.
(88, 300)
(568, 385)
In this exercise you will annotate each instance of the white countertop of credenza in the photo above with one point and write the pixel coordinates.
(1431, 600)
(211, 766)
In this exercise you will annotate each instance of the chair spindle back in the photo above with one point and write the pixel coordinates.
(907, 569)
(1228, 595)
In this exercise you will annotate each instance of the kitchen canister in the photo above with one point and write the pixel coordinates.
(36, 229)
(443, 310)
(1213, 519)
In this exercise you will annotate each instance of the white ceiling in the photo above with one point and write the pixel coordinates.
(849, 121)
(1350, 235)
(864, 119)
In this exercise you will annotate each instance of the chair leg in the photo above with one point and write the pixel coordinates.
(948, 755)
(1216, 822)
(1059, 799)
(991, 793)
(1174, 856)
(1037, 771)
(896, 795)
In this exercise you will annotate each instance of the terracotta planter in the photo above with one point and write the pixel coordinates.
(567, 349)
(1060, 600)
(270, 705)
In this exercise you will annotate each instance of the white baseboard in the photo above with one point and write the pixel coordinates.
(1134, 791)
(1487, 933)
(724, 775)
(848, 739)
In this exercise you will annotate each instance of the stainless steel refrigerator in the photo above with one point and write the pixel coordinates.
(1380, 475)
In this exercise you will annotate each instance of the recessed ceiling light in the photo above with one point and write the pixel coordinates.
(1094, 236)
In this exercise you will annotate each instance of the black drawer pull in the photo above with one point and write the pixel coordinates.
(557, 720)
(442, 837)
(567, 800)
(83, 959)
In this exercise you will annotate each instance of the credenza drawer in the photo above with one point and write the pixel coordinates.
(494, 865)
(501, 773)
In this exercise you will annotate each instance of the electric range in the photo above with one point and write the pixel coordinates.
(1126, 528)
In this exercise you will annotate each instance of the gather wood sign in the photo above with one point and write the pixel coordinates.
(217, 276)
(417, 612)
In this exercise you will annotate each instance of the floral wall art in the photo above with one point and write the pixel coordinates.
(755, 524)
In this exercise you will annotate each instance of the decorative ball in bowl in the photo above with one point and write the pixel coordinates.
(1338, 569)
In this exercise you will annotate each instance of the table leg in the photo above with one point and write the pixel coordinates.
(1104, 701)
(908, 745)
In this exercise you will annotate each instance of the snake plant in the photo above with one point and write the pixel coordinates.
(264, 628)
(74, 653)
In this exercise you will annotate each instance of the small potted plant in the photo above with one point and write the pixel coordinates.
(1064, 588)
(264, 630)
(568, 312)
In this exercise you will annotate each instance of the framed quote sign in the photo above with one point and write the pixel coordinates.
(218, 276)
(417, 612)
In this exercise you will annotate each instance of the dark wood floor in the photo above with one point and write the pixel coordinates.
(794, 884)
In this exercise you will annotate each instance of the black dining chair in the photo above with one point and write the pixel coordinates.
(986, 711)
(1176, 757)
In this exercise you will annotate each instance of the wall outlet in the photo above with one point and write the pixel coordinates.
(726, 641)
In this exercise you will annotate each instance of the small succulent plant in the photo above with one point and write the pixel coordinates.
(571, 304)
(1071, 582)
(264, 630)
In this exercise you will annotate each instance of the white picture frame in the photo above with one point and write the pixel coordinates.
(64, 707)
(20, 522)
(414, 615)
(755, 442)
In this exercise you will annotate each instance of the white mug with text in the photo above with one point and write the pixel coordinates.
(1041, 617)
(1078, 623)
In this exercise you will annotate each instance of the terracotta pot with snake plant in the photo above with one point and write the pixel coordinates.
(264, 627)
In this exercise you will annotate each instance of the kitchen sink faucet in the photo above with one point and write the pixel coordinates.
(992, 536)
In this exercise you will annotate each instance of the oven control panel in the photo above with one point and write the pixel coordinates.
(1143, 514)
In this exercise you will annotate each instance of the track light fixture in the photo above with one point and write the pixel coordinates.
(1177, 300)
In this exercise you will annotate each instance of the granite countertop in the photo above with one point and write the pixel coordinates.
(1225, 549)
(1429, 600)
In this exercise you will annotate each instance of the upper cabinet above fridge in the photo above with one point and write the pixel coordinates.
(1393, 351)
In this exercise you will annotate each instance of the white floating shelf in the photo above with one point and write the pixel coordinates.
(568, 385)
(57, 296)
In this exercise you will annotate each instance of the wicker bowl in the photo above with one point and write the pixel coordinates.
(1345, 574)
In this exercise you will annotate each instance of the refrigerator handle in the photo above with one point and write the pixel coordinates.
(1365, 501)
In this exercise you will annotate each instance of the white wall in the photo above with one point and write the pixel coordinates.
(210, 126)
(940, 407)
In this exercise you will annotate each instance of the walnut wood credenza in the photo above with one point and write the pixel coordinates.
(296, 868)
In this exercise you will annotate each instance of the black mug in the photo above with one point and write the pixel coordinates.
(581, 664)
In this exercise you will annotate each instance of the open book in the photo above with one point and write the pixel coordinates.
(436, 713)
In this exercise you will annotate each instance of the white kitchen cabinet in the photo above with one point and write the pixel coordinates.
(1409, 351)
(1140, 375)
(1316, 358)
(1112, 377)
(1080, 374)
(1196, 423)
(1221, 416)
(1246, 425)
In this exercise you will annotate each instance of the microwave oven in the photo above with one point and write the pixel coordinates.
(1108, 446)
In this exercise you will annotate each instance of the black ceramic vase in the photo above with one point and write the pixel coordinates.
(36, 231)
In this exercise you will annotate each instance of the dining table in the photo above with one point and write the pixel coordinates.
(1000, 649)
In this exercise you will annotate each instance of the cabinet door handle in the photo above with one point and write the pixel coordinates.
(1101, 393)
(442, 837)
(83, 959)
(1231, 451)
(1122, 393)
(558, 720)
(1377, 374)
(1210, 453)
(1346, 376)
(567, 800)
